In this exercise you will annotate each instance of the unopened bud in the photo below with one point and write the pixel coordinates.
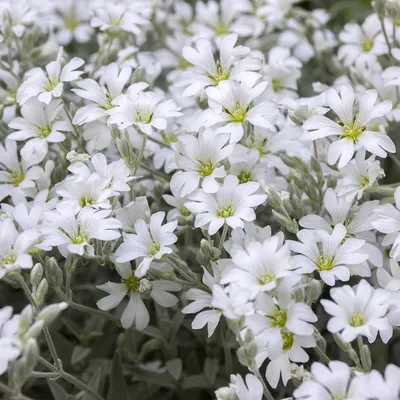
(74, 157)
(53, 273)
(25, 319)
(34, 330)
(138, 75)
(36, 275)
(50, 313)
(296, 117)
(41, 292)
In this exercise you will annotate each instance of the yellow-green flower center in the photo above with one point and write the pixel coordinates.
(154, 248)
(238, 114)
(244, 176)
(132, 283)
(325, 263)
(276, 85)
(44, 131)
(364, 181)
(205, 168)
(367, 45)
(71, 23)
(9, 258)
(17, 177)
(80, 237)
(144, 116)
(51, 84)
(108, 105)
(225, 212)
(169, 138)
(278, 319)
(220, 75)
(287, 340)
(185, 212)
(85, 201)
(357, 320)
(221, 29)
(266, 278)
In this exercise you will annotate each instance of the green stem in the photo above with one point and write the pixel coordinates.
(267, 393)
(223, 237)
(159, 142)
(5, 389)
(71, 379)
(85, 309)
(140, 155)
(386, 36)
(190, 277)
(36, 311)
(323, 357)
(155, 172)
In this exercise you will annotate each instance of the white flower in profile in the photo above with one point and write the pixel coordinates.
(238, 389)
(232, 204)
(41, 124)
(72, 232)
(388, 222)
(114, 18)
(358, 175)
(200, 159)
(116, 173)
(15, 247)
(353, 128)
(232, 63)
(150, 242)
(231, 105)
(389, 281)
(135, 312)
(202, 299)
(357, 310)
(362, 44)
(16, 177)
(49, 84)
(233, 301)
(356, 219)
(79, 193)
(332, 255)
(329, 382)
(259, 267)
(9, 343)
(100, 96)
(145, 110)
(133, 211)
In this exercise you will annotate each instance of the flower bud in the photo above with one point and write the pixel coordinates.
(74, 157)
(54, 274)
(41, 292)
(25, 365)
(36, 275)
(50, 313)
(25, 319)
(296, 117)
(34, 330)
(138, 75)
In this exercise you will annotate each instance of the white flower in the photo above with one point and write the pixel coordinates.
(358, 310)
(238, 389)
(9, 342)
(231, 106)
(79, 193)
(281, 356)
(15, 247)
(259, 267)
(200, 159)
(359, 175)
(233, 63)
(232, 204)
(146, 110)
(362, 44)
(388, 221)
(49, 84)
(133, 211)
(356, 219)
(41, 124)
(113, 18)
(329, 383)
(333, 256)
(385, 387)
(73, 233)
(101, 96)
(233, 301)
(16, 177)
(148, 243)
(135, 312)
(202, 299)
(353, 127)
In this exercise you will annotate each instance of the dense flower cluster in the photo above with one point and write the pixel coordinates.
(208, 191)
